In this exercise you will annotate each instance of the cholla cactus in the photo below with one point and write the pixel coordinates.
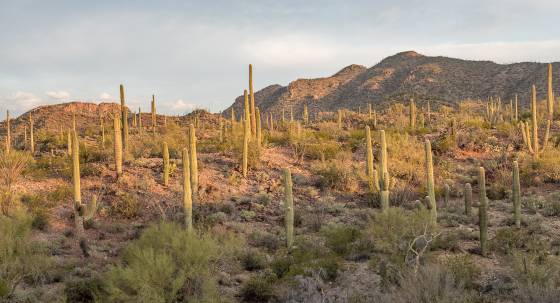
(288, 208)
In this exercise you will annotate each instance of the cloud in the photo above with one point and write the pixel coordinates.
(20, 100)
(106, 97)
(182, 105)
(58, 95)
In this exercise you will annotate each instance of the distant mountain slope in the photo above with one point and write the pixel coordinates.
(404, 75)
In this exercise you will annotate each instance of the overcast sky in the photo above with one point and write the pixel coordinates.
(196, 53)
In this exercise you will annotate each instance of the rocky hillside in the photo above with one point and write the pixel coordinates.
(404, 75)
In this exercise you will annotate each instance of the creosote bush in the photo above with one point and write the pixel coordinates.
(169, 264)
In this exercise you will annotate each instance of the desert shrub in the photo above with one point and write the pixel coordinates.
(551, 207)
(432, 283)
(258, 289)
(12, 166)
(253, 260)
(265, 240)
(340, 238)
(323, 150)
(535, 293)
(336, 174)
(168, 264)
(545, 169)
(126, 206)
(536, 269)
(508, 239)
(20, 257)
(89, 290)
(307, 257)
(464, 270)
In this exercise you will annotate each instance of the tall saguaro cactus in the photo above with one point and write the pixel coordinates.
(154, 117)
(516, 195)
(165, 154)
(194, 160)
(482, 214)
(8, 132)
(78, 207)
(412, 114)
(305, 115)
(530, 135)
(430, 181)
(252, 104)
(468, 199)
(31, 135)
(259, 129)
(124, 120)
(117, 143)
(246, 135)
(369, 157)
(187, 191)
(288, 208)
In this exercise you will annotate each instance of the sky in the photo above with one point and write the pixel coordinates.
(195, 54)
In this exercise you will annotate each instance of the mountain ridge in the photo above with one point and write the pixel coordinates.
(408, 74)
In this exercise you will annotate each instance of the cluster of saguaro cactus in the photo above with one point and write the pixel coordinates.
(288, 208)
(431, 197)
(530, 134)
(117, 144)
(482, 214)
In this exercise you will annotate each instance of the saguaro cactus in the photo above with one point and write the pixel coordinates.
(31, 135)
(245, 158)
(259, 129)
(369, 157)
(78, 207)
(482, 215)
(139, 118)
(412, 114)
(154, 117)
(165, 153)
(339, 119)
(430, 181)
(124, 120)
(530, 135)
(252, 104)
(468, 199)
(187, 191)
(305, 115)
(117, 143)
(8, 132)
(516, 195)
(288, 208)
(69, 142)
(370, 113)
(102, 126)
(194, 161)
(384, 195)
(446, 191)
(383, 171)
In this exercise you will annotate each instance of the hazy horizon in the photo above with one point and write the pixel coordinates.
(196, 55)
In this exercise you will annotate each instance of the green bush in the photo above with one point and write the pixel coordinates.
(20, 257)
(168, 264)
(340, 238)
(464, 270)
(257, 289)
